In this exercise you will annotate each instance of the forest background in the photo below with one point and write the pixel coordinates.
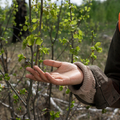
(65, 32)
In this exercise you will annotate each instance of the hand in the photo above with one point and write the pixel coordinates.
(65, 74)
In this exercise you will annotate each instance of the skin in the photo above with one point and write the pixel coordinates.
(65, 74)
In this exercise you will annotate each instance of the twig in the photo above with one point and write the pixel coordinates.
(70, 99)
(31, 81)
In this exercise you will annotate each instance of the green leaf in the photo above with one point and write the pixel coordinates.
(99, 50)
(45, 50)
(24, 43)
(34, 20)
(21, 56)
(57, 115)
(1, 52)
(14, 74)
(78, 48)
(30, 39)
(46, 12)
(18, 118)
(16, 99)
(0, 88)
(87, 107)
(92, 48)
(25, 28)
(85, 61)
(1, 77)
(39, 41)
(72, 104)
(67, 91)
(98, 44)
(104, 111)
(34, 54)
(44, 109)
(60, 88)
(35, 26)
(23, 91)
(6, 77)
(40, 61)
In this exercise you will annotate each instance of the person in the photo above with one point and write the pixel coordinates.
(89, 84)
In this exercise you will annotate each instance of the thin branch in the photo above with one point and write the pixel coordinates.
(57, 27)
(70, 94)
(70, 99)
(31, 81)
(40, 31)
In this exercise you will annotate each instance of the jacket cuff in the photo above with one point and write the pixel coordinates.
(106, 95)
(87, 90)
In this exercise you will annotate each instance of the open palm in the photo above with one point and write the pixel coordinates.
(65, 74)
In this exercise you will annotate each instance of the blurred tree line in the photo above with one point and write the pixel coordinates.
(106, 11)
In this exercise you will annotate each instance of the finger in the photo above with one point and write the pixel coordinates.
(52, 63)
(29, 69)
(35, 74)
(41, 73)
(33, 78)
(30, 77)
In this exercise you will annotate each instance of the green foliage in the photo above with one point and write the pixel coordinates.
(1, 52)
(60, 88)
(18, 118)
(72, 105)
(67, 91)
(1, 76)
(21, 56)
(95, 48)
(34, 20)
(108, 8)
(7, 77)
(85, 61)
(104, 111)
(54, 115)
(1, 88)
(23, 91)
(16, 99)
(20, 108)
(87, 107)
